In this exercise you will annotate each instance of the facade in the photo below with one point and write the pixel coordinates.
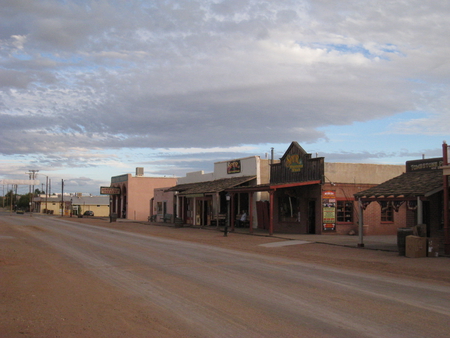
(162, 205)
(135, 194)
(201, 199)
(308, 196)
(419, 192)
(72, 205)
(347, 179)
(296, 194)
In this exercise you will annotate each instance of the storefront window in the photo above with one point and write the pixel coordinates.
(345, 211)
(289, 208)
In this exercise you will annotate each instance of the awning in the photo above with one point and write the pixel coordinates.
(407, 186)
(271, 187)
(210, 187)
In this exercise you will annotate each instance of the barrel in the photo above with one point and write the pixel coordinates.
(402, 233)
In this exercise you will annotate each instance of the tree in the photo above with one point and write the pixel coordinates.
(38, 192)
(24, 202)
(9, 197)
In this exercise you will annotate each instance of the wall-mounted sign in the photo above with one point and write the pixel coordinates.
(118, 179)
(234, 167)
(109, 191)
(294, 163)
(329, 210)
(425, 164)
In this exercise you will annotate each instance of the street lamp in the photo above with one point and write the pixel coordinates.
(227, 223)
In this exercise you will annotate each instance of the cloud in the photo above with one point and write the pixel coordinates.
(213, 74)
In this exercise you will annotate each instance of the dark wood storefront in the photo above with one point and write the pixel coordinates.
(295, 190)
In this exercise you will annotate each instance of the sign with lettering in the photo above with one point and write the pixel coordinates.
(109, 191)
(234, 167)
(294, 162)
(425, 164)
(329, 209)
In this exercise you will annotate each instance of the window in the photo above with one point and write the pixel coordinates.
(387, 213)
(159, 207)
(289, 208)
(345, 211)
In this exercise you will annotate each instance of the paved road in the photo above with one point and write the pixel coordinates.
(205, 291)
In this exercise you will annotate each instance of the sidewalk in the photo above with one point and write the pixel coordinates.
(384, 243)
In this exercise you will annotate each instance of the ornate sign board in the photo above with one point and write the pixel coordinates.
(294, 162)
(329, 210)
(234, 167)
(109, 191)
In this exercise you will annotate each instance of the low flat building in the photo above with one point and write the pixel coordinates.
(72, 205)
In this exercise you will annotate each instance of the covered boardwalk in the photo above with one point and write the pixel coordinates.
(196, 202)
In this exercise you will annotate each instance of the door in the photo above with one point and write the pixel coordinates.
(312, 217)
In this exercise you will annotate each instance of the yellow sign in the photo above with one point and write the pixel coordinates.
(294, 163)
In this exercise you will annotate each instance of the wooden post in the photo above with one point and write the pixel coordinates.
(271, 212)
(446, 197)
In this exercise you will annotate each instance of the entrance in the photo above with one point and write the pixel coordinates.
(311, 217)
(203, 211)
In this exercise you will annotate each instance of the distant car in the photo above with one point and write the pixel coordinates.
(19, 211)
(88, 213)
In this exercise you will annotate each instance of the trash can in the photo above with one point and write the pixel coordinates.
(112, 218)
(402, 233)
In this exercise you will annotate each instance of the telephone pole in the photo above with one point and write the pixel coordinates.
(33, 175)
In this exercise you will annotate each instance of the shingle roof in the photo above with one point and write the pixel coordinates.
(211, 186)
(410, 184)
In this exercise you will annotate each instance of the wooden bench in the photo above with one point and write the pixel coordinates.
(222, 218)
(241, 224)
(152, 218)
(167, 217)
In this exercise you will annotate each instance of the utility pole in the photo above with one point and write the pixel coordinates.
(46, 196)
(62, 198)
(32, 175)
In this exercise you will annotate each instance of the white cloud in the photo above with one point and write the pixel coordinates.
(206, 76)
(18, 41)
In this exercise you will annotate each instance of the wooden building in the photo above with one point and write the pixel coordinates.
(309, 196)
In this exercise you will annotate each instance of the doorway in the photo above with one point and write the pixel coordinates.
(312, 217)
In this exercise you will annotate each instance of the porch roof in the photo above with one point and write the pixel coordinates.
(272, 187)
(211, 186)
(407, 186)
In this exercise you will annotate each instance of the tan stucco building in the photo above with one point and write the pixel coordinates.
(135, 194)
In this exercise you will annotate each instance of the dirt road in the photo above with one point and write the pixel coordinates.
(70, 278)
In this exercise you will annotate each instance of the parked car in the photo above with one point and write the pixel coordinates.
(88, 213)
(20, 211)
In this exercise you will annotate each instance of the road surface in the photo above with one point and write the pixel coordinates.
(62, 278)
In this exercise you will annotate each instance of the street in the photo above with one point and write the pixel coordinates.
(65, 278)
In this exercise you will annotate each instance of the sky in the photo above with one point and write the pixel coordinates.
(91, 89)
